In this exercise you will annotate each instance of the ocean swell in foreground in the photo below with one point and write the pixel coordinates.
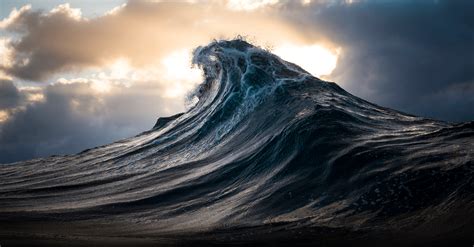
(267, 146)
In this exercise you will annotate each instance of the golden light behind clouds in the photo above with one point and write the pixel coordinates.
(3, 116)
(316, 59)
(142, 32)
(143, 44)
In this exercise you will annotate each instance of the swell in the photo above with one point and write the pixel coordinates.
(266, 143)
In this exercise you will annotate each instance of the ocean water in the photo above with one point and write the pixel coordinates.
(267, 152)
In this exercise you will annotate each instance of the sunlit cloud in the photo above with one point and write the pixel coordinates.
(115, 10)
(249, 4)
(98, 86)
(14, 16)
(173, 73)
(35, 97)
(3, 116)
(134, 31)
(65, 9)
(6, 54)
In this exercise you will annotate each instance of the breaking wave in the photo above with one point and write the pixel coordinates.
(267, 143)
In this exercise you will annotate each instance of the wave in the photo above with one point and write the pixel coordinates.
(266, 143)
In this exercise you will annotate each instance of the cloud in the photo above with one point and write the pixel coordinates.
(61, 40)
(74, 116)
(14, 17)
(405, 55)
(9, 95)
(249, 4)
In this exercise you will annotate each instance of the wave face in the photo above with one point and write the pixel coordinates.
(266, 143)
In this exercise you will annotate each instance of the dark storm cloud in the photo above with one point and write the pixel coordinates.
(416, 56)
(73, 117)
(9, 94)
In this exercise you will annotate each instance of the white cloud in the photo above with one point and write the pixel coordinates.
(65, 9)
(14, 15)
(116, 10)
(249, 4)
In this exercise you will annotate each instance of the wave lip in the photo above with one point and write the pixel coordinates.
(267, 143)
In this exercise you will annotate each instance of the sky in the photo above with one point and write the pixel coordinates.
(78, 74)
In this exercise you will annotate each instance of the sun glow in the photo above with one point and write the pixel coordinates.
(180, 73)
(120, 69)
(315, 59)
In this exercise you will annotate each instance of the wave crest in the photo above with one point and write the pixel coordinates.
(266, 143)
